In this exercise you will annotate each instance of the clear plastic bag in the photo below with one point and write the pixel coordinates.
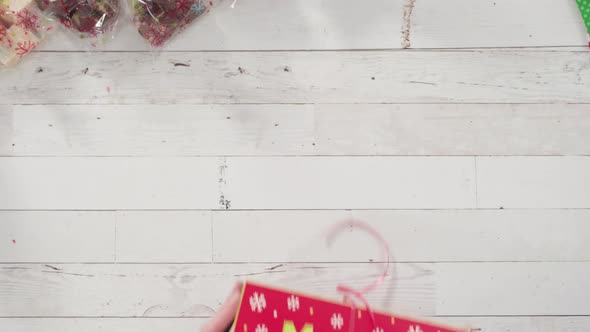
(22, 28)
(93, 20)
(159, 20)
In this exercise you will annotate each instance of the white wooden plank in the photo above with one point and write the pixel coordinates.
(272, 25)
(300, 77)
(185, 290)
(40, 236)
(482, 324)
(102, 236)
(496, 23)
(158, 130)
(518, 289)
(158, 236)
(349, 182)
(101, 324)
(108, 183)
(249, 130)
(250, 236)
(533, 182)
(242, 183)
(453, 289)
(6, 127)
(415, 236)
(521, 324)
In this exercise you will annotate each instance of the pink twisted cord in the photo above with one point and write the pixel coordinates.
(348, 292)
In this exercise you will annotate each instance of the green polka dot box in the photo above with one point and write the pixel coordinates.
(585, 10)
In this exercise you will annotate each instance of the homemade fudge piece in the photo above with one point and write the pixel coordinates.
(13, 6)
(90, 17)
(15, 43)
(25, 19)
(21, 29)
(158, 20)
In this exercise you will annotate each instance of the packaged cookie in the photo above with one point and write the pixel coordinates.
(22, 28)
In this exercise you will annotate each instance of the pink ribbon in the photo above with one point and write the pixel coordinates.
(349, 293)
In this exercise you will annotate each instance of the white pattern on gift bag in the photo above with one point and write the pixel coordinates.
(337, 321)
(293, 303)
(257, 302)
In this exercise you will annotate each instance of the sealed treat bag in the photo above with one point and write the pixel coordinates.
(22, 28)
(90, 20)
(158, 20)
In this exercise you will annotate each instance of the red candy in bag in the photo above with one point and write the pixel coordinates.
(158, 20)
(94, 19)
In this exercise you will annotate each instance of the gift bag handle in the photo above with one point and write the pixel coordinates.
(350, 293)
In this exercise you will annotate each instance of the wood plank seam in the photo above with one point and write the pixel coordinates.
(115, 237)
(224, 202)
(476, 182)
(212, 225)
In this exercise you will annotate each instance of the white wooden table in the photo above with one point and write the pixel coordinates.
(135, 187)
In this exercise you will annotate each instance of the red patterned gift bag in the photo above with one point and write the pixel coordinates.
(268, 309)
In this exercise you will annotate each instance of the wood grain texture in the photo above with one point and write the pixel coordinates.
(448, 289)
(250, 236)
(65, 236)
(542, 287)
(465, 76)
(279, 129)
(108, 183)
(415, 236)
(105, 236)
(242, 183)
(101, 324)
(293, 183)
(483, 324)
(171, 236)
(187, 290)
(521, 324)
(533, 182)
(496, 23)
(349, 183)
(116, 167)
(349, 24)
